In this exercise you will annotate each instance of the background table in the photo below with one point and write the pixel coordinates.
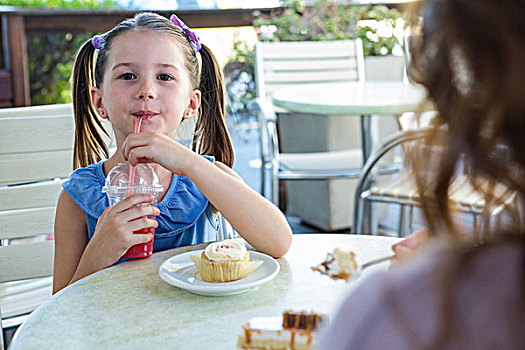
(129, 306)
(365, 99)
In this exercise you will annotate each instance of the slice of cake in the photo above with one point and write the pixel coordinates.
(338, 265)
(292, 331)
(302, 320)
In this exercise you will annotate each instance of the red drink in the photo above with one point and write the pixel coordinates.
(142, 250)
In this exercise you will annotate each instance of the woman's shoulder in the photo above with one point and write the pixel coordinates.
(475, 274)
(460, 289)
(468, 263)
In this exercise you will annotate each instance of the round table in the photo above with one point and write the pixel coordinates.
(129, 306)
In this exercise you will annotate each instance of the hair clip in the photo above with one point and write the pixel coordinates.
(98, 41)
(194, 38)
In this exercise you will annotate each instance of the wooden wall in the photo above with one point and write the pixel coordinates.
(6, 90)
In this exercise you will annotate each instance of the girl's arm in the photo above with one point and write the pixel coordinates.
(230, 171)
(70, 240)
(255, 218)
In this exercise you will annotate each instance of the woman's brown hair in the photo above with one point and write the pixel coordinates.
(469, 58)
(211, 136)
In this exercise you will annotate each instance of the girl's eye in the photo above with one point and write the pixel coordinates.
(127, 76)
(165, 77)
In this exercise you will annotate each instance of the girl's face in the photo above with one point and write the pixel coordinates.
(145, 77)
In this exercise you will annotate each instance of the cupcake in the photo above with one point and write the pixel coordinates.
(225, 261)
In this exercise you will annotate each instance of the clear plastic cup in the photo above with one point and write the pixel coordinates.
(145, 180)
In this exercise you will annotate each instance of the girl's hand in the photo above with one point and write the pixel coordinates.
(406, 247)
(114, 231)
(148, 147)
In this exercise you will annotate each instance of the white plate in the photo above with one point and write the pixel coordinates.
(180, 272)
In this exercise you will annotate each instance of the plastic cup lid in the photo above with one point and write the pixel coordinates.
(145, 180)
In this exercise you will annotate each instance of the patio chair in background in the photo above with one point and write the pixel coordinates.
(400, 188)
(287, 64)
(36, 153)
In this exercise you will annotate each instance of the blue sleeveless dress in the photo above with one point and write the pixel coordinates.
(185, 213)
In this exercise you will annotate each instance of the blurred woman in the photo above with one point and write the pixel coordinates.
(458, 290)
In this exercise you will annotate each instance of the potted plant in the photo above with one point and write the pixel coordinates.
(382, 32)
(380, 28)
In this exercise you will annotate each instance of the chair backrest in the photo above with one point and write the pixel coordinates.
(36, 143)
(284, 64)
(401, 187)
(36, 154)
(27, 219)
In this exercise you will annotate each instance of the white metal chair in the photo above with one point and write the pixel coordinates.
(399, 187)
(288, 64)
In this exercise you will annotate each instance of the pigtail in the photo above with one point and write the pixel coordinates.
(89, 144)
(211, 133)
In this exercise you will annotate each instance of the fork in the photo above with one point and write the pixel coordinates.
(377, 261)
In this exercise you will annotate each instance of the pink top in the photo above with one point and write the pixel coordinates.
(403, 309)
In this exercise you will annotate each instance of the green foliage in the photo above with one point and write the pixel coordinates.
(242, 52)
(332, 20)
(50, 63)
(51, 55)
(91, 4)
(239, 78)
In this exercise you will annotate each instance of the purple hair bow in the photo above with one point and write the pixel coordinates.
(194, 38)
(98, 41)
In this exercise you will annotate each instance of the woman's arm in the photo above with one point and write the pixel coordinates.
(405, 249)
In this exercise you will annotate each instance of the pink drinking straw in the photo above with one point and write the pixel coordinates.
(138, 122)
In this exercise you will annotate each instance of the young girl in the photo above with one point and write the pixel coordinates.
(155, 69)
(456, 292)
